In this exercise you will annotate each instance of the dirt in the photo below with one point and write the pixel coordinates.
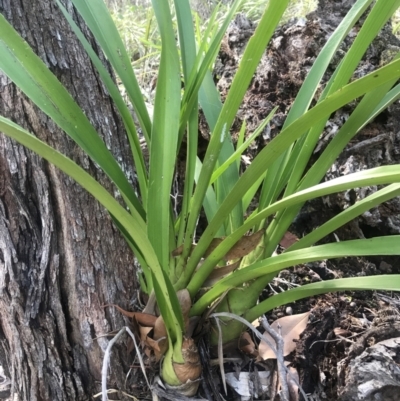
(338, 321)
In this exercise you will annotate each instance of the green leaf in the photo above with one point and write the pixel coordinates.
(32, 76)
(376, 176)
(238, 152)
(371, 201)
(251, 57)
(389, 282)
(119, 102)
(98, 19)
(188, 57)
(387, 245)
(302, 102)
(278, 145)
(164, 138)
(133, 225)
(172, 316)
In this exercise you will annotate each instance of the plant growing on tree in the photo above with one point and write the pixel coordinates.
(226, 269)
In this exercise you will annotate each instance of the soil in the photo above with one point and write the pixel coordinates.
(339, 323)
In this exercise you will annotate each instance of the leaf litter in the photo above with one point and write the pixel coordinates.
(290, 328)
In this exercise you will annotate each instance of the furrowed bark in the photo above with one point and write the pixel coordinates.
(61, 258)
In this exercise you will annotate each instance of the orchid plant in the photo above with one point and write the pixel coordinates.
(233, 259)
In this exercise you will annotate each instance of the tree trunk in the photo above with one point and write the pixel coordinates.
(61, 258)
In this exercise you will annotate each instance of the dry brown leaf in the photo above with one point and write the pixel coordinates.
(160, 330)
(288, 240)
(178, 251)
(244, 246)
(144, 331)
(339, 332)
(145, 319)
(246, 344)
(159, 347)
(220, 272)
(214, 243)
(291, 328)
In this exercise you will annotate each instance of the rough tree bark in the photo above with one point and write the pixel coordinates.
(61, 258)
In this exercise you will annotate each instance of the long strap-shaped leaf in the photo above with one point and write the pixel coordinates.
(248, 64)
(277, 146)
(209, 100)
(388, 245)
(390, 282)
(304, 98)
(188, 57)
(32, 76)
(376, 176)
(369, 105)
(133, 225)
(368, 203)
(379, 15)
(98, 19)
(349, 129)
(164, 137)
(119, 102)
(164, 140)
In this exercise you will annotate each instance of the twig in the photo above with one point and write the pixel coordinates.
(106, 360)
(221, 355)
(262, 338)
(279, 357)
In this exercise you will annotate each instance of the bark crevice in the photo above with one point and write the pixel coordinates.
(61, 258)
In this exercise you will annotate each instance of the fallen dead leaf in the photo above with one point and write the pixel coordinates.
(159, 347)
(245, 245)
(290, 329)
(144, 331)
(288, 240)
(178, 251)
(242, 248)
(220, 272)
(145, 319)
(246, 345)
(160, 330)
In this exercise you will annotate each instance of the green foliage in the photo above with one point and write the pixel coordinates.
(216, 184)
